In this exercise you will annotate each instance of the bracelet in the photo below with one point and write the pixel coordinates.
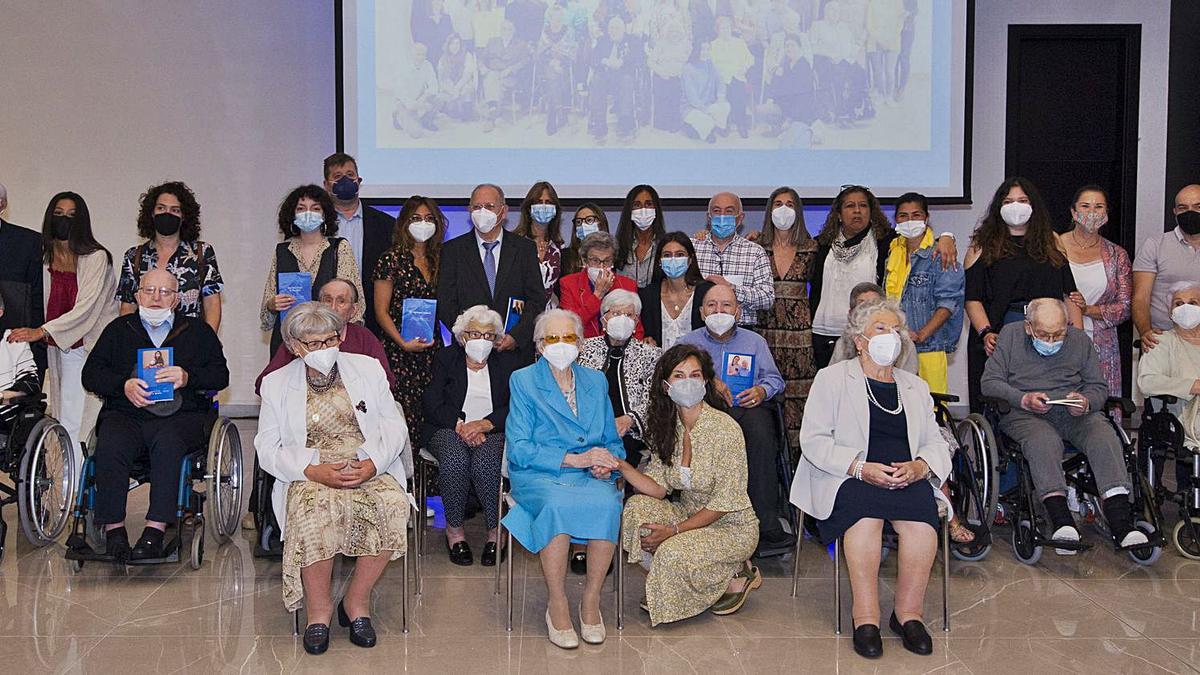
(858, 469)
(676, 526)
(984, 333)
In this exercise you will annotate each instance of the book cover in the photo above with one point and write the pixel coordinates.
(149, 362)
(296, 284)
(737, 371)
(516, 306)
(418, 319)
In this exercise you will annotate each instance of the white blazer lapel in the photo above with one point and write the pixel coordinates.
(296, 405)
(856, 387)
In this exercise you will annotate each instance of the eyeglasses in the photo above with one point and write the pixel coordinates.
(425, 219)
(313, 345)
(488, 206)
(155, 292)
(569, 338)
(621, 312)
(586, 220)
(1049, 337)
(598, 262)
(852, 186)
(478, 335)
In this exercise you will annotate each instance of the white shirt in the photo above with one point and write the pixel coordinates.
(1091, 281)
(478, 402)
(479, 241)
(673, 329)
(351, 229)
(833, 313)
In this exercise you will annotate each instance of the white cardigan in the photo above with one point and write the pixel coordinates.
(836, 428)
(283, 424)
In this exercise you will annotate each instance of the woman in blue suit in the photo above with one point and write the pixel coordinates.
(563, 447)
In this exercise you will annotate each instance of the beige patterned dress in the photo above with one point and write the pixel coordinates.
(691, 570)
(323, 521)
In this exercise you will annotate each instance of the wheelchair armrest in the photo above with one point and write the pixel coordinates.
(1125, 405)
(1165, 398)
(943, 398)
(1000, 405)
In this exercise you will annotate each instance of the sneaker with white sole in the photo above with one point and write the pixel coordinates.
(1065, 533)
(1134, 538)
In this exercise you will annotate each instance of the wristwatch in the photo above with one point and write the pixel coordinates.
(984, 333)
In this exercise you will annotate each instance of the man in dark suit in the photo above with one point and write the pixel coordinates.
(21, 279)
(368, 230)
(488, 266)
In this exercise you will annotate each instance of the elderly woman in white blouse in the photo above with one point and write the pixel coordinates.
(332, 436)
(873, 453)
(1172, 368)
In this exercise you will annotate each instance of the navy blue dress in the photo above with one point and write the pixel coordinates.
(887, 443)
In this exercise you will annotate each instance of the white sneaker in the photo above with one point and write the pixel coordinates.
(1134, 538)
(1065, 533)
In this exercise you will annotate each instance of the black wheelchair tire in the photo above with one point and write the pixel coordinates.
(1023, 543)
(975, 437)
(33, 459)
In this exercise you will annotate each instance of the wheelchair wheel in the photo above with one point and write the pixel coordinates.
(1024, 548)
(46, 488)
(979, 490)
(223, 480)
(1146, 555)
(197, 557)
(1186, 537)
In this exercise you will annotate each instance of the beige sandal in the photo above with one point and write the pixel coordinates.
(961, 534)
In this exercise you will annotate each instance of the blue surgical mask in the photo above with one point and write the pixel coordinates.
(308, 221)
(543, 213)
(723, 227)
(345, 188)
(674, 267)
(584, 230)
(1047, 348)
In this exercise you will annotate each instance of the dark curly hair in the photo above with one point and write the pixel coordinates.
(189, 230)
(287, 210)
(402, 239)
(879, 224)
(994, 241)
(524, 226)
(660, 437)
(627, 232)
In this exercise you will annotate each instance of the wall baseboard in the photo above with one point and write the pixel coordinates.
(240, 410)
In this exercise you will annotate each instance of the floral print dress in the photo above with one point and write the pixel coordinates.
(413, 370)
(787, 328)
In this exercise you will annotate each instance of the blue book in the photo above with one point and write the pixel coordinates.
(516, 306)
(149, 362)
(296, 284)
(737, 371)
(418, 319)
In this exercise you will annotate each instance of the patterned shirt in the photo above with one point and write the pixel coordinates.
(743, 264)
(194, 264)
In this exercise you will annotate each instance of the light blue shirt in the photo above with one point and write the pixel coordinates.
(159, 335)
(742, 341)
(351, 229)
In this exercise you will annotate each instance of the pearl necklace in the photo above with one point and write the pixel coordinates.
(899, 404)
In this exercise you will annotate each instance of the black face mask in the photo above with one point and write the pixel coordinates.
(60, 227)
(1189, 222)
(167, 224)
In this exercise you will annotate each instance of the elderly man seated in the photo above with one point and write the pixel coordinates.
(724, 341)
(1037, 367)
(131, 426)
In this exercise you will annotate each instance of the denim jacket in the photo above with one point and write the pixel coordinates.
(929, 287)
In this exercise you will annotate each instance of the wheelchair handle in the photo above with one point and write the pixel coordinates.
(1000, 405)
(943, 398)
(1165, 398)
(1125, 405)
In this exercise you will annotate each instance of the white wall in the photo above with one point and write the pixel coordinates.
(237, 99)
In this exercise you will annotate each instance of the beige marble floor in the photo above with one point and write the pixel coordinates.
(1094, 613)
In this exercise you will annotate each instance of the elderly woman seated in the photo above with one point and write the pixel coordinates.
(332, 436)
(873, 453)
(1172, 368)
(466, 404)
(582, 292)
(698, 546)
(563, 447)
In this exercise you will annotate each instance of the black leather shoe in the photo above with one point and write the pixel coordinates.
(362, 633)
(867, 641)
(149, 545)
(579, 563)
(116, 544)
(460, 554)
(913, 634)
(488, 557)
(316, 638)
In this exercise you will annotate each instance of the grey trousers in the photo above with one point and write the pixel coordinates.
(1041, 438)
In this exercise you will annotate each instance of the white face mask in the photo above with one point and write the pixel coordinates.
(783, 218)
(620, 328)
(1186, 317)
(560, 355)
(1016, 214)
(422, 230)
(479, 350)
(155, 317)
(719, 322)
(884, 348)
(910, 228)
(322, 360)
(643, 218)
(595, 272)
(686, 393)
(483, 220)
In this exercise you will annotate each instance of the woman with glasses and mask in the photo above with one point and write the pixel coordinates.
(332, 437)
(582, 291)
(466, 406)
(169, 220)
(589, 218)
(309, 223)
(671, 303)
(409, 270)
(562, 451)
(79, 305)
(639, 231)
(541, 219)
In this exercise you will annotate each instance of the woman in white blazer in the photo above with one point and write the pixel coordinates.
(333, 437)
(872, 453)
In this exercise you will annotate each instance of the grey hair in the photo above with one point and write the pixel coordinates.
(353, 288)
(1181, 286)
(3, 194)
(477, 314)
(620, 297)
(1031, 309)
(714, 198)
(499, 190)
(308, 319)
(861, 315)
(539, 326)
(862, 289)
(596, 240)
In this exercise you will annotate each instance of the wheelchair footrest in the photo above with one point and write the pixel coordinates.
(1067, 544)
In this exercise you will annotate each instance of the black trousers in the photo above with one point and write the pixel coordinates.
(762, 450)
(822, 349)
(122, 440)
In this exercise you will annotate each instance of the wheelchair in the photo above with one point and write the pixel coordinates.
(973, 477)
(210, 493)
(37, 454)
(1160, 441)
(267, 543)
(1018, 502)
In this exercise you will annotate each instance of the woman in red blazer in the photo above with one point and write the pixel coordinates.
(582, 292)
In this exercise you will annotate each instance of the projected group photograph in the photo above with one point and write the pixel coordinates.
(655, 74)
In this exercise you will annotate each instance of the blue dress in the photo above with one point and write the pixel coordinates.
(540, 431)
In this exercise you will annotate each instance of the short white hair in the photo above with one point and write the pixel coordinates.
(1181, 286)
(861, 315)
(309, 319)
(539, 326)
(735, 197)
(1035, 305)
(477, 314)
(621, 298)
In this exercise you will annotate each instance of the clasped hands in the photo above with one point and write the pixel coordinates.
(893, 476)
(473, 433)
(1037, 402)
(599, 461)
(341, 475)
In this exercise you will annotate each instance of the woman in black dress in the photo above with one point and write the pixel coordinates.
(1014, 258)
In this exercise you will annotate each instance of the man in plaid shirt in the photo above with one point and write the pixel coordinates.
(726, 257)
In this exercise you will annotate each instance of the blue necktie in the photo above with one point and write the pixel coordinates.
(489, 265)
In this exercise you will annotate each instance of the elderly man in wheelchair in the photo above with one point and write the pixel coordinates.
(139, 424)
(1049, 376)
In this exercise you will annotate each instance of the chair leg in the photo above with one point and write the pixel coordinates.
(295, 622)
(837, 585)
(946, 574)
(799, 533)
(404, 596)
(509, 595)
(417, 577)
(619, 577)
(500, 531)
(421, 518)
